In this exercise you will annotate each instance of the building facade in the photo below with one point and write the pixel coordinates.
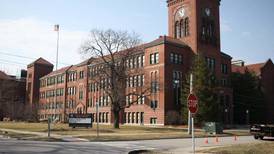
(194, 28)
(265, 73)
(12, 96)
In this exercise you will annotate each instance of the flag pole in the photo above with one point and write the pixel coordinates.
(56, 28)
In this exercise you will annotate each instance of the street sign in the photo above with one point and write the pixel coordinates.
(192, 103)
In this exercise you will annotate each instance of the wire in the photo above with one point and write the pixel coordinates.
(19, 56)
(8, 61)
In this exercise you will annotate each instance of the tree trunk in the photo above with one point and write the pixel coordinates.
(116, 119)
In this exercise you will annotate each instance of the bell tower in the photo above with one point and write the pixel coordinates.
(196, 23)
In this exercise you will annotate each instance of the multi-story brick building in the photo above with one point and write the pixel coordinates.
(12, 96)
(194, 28)
(265, 73)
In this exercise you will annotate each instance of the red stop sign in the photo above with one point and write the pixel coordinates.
(192, 103)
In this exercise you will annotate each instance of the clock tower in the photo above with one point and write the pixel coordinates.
(196, 23)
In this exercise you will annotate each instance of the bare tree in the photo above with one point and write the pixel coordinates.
(111, 51)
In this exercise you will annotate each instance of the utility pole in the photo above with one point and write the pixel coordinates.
(189, 114)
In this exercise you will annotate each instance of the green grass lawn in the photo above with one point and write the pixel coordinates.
(107, 133)
(254, 148)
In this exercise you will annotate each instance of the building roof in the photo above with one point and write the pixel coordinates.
(166, 40)
(256, 68)
(4, 76)
(86, 62)
(41, 61)
(226, 55)
(59, 71)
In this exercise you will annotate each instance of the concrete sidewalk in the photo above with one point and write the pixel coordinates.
(65, 138)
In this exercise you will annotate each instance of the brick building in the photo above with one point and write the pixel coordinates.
(12, 96)
(194, 28)
(35, 71)
(265, 72)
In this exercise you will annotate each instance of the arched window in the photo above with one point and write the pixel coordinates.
(182, 28)
(187, 26)
(177, 29)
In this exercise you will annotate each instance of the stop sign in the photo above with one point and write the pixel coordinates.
(192, 103)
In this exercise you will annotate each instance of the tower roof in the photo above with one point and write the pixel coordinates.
(40, 61)
(4, 76)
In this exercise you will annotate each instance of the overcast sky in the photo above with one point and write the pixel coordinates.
(26, 27)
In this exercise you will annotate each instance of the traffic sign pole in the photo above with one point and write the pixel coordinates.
(189, 114)
(193, 137)
(192, 102)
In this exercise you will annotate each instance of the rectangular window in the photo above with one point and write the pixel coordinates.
(154, 86)
(80, 94)
(153, 120)
(81, 74)
(224, 68)
(143, 60)
(176, 58)
(171, 57)
(154, 104)
(151, 58)
(154, 58)
(210, 63)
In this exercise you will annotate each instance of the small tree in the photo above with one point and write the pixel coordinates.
(112, 50)
(203, 88)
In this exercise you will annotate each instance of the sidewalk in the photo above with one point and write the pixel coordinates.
(65, 138)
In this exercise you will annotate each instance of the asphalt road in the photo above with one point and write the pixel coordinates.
(11, 146)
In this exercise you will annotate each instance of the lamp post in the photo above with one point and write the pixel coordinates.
(176, 85)
(247, 117)
(226, 117)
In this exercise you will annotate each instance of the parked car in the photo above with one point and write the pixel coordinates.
(260, 131)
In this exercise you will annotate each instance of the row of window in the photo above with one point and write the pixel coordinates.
(176, 58)
(208, 31)
(138, 99)
(135, 62)
(102, 101)
(71, 90)
(52, 105)
(182, 28)
(52, 80)
(103, 117)
(71, 104)
(134, 117)
(51, 93)
(96, 86)
(135, 81)
(72, 76)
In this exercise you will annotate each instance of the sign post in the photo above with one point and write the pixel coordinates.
(97, 118)
(192, 103)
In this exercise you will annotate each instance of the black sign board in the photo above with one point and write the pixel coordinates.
(80, 120)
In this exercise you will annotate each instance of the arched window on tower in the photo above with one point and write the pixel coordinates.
(182, 28)
(187, 26)
(177, 29)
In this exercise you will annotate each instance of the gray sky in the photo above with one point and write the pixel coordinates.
(26, 27)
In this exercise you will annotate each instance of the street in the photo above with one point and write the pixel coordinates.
(165, 145)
